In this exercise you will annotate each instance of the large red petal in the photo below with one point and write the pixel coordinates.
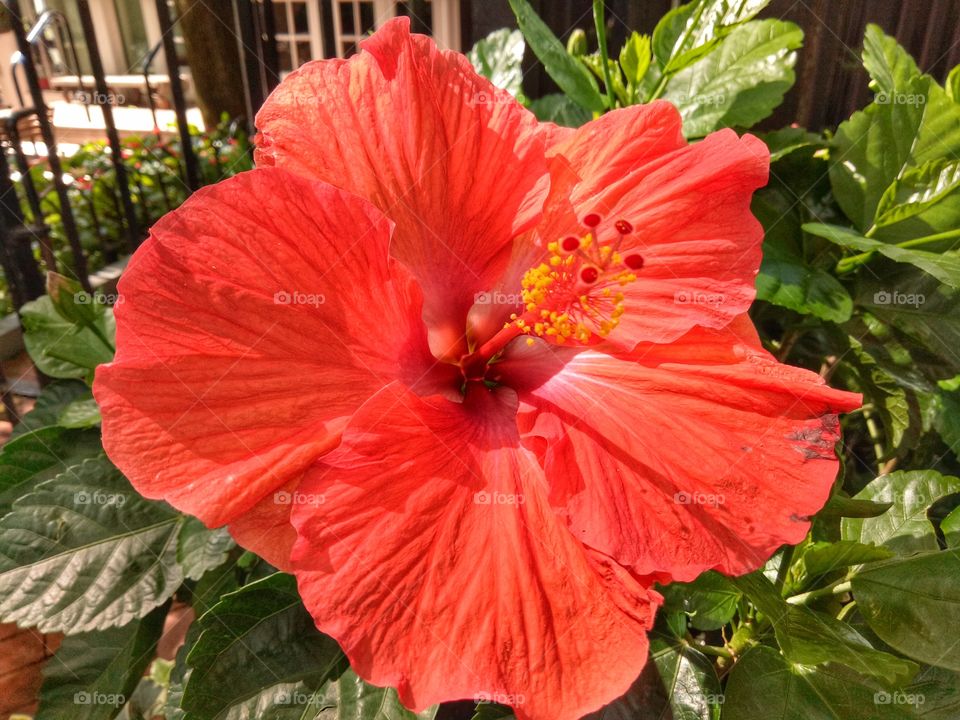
(689, 206)
(702, 454)
(251, 324)
(436, 561)
(458, 164)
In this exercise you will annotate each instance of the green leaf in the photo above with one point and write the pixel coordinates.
(559, 109)
(53, 400)
(889, 65)
(62, 349)
(787, 281)
(80, 414)
(808, 637)
(252, 641)
(635, 57)
(40, 455)
(569, 74)
(909, 603)
(689, 31)
(822, 558)
(763, 685)
(905, 527)
(85, 552)
(918, 190)
(350, 698)
(788, 140)
(940, 689)
(943, 266)
(953, 84)
(842, 506)
(710, 600)
(200, 549)
(739, 83)
(924, 311)
(950, 527)
(498, 57)
(891, 401)
(92, 675)
(914, 125)
(492, 711)
(948, 419)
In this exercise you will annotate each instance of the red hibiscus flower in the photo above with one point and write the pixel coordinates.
(475, 380)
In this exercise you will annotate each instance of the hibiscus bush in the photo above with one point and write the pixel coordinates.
(443, 412)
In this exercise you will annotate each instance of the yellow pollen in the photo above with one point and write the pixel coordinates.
(575, 295)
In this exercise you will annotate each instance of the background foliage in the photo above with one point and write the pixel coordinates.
(860, 282)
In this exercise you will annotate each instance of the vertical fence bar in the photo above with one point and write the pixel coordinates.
(46, 132)
(267, 48)
(16, 254)
(106, 107)
(176, 90)
(245, 29)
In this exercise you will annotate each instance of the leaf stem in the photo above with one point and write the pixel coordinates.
(598, 20)
(837, 588)
(847, 264)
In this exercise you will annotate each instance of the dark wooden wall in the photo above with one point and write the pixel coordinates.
(831, 83)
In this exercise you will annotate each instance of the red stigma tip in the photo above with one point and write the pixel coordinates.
(569, 243)
(623, 227)
(589, 275)
(591, 220)
(633, 261)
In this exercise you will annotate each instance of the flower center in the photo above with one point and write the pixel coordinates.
(576, 293)
(573, 296)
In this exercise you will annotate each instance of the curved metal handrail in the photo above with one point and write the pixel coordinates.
(58, 21)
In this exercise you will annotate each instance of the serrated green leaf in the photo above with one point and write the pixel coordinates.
(950, 527)
(40, 455)
(53, 399)
(80, 414)
(200, 549)
(85, 552)
(763, 685)
(918, 190)
(948, 419)
(889, 65)
(953, 84)
(909, 602)
(350, 698)
(943, 266)
(498, 57)
(710, 600)
(890, 399)
(689, 31)
(558, 108)
(635, 57)
(808, 637)
(258, 645)
(571, 76)
(92, 675)
(787, 281)
(822, 558)
(905, 527)
(740, 82)
(61, 348)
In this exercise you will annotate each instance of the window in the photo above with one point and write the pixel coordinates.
(297, 24)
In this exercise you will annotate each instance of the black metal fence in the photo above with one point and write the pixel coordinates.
(22, 226)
